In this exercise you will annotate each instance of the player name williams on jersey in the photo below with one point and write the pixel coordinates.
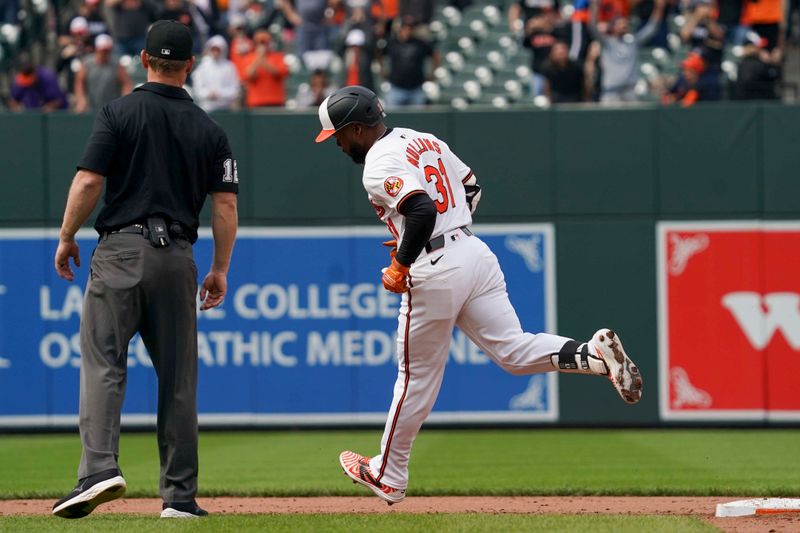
(419, 146)
(406, 162)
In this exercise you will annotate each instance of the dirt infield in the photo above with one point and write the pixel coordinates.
(628, 505)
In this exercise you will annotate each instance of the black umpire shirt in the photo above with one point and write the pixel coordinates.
(161, 156)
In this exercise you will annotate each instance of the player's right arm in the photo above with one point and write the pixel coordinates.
(468, 179)
(473, 193)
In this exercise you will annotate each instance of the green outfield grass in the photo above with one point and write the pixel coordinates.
(400, 523)
(498, 462)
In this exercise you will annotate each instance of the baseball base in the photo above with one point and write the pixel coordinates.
(758, 506)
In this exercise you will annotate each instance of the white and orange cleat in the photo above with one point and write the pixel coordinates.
(623, 373)
(356, 467)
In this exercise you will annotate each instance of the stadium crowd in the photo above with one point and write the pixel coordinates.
(249, 50)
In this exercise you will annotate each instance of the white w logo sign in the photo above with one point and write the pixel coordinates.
(760, 317)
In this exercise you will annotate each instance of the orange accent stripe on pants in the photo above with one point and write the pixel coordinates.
(405, 385)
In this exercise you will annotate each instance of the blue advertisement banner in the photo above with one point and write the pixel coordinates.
(305, 336)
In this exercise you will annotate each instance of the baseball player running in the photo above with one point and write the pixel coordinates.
(447, 277)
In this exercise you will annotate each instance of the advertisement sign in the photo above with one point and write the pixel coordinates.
(306, 334)
(729, 320)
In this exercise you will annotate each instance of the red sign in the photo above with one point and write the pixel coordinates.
(729, 320)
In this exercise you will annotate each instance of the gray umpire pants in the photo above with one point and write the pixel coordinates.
(136, 287)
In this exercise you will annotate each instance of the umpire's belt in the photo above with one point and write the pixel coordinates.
(141, 229)
(138, 229)
(446, 237)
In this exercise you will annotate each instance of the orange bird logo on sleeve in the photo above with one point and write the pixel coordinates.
(393, 185)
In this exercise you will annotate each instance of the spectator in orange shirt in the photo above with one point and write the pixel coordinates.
(265, 73)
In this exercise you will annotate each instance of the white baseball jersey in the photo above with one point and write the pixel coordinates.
(407, 162)
(459, 284)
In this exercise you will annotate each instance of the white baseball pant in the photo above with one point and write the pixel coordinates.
(465, 288)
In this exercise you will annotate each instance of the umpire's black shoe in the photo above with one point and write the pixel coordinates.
(182, 510)
(89, 493)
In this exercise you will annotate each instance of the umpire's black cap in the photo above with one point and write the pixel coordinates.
(169, 39)
(347, 105)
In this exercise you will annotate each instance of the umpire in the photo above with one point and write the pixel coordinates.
(159, 156)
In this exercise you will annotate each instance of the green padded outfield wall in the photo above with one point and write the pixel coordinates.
(604, 177)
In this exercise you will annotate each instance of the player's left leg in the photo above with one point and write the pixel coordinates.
(602, 355)
(490, 321)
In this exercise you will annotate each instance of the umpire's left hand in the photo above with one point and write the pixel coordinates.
(215, 285)
(66, 249)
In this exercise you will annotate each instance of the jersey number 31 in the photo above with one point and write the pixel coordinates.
(445, 199)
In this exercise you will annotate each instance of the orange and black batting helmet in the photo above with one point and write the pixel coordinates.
(346, 106)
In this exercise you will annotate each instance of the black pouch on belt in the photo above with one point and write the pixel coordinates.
(159, 236)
